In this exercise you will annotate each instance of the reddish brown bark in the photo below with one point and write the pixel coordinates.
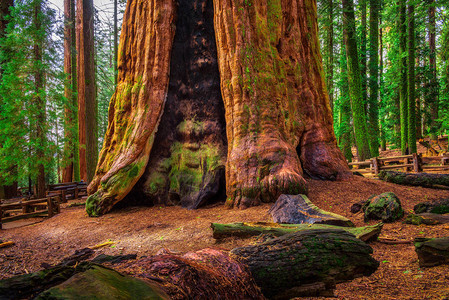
(278, 117)
(137, 105)
(69, 16)
(87, 108)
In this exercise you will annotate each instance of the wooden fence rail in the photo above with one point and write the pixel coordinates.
(413, 162)
(24, 209)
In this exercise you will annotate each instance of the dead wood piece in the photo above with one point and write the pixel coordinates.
(6, 244)
(220, 231)
(281, 265)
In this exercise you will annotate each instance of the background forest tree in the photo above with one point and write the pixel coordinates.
(387, 75)
(406, 92)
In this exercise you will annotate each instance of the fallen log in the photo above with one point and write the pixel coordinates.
(298, 209)
(221, 231)
(432, 252)
(419, 179)
(306, 263)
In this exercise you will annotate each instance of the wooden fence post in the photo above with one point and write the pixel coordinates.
(416, 167)
(376, 165)
(50, 207)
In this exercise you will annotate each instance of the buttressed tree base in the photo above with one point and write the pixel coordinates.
(215, 99)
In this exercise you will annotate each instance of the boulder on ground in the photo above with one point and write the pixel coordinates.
(438, 207)
(427, 219)
(432, 252)
(99, 282)
(385, 207)
(297, 209)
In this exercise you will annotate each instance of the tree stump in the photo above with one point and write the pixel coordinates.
(306, 263)
(297, 209)
(432, 252)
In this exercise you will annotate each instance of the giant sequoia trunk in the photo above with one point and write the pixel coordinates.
(249, 69)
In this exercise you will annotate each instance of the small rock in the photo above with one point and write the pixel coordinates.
(356, 207)
(432, 252)
(385, 207)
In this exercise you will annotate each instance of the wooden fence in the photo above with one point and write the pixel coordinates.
(24, 209)
(406, 163)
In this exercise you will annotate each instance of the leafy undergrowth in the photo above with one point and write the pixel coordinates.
(145, 230)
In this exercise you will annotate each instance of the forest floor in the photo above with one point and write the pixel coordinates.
(145, 230)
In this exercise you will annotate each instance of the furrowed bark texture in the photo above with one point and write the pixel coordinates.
(273, 88)
(277, 114)
(70, 84)
(87, 104)
(137, 105)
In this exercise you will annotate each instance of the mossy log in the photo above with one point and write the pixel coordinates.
(306, 263)
(221, 231)
(432, 252)
(416, 179)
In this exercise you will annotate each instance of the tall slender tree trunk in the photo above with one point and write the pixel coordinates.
(39, 103)
(355, 86)
(383, 140)
(433, 85)
(403, 76)
(87, 105)
(373, 113)
(411, 106)
(418, 92)
(6, 191)
(345, 107)
(363, 48)
(330, 54)
(69, 91)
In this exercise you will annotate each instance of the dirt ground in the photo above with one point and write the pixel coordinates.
(145, 230)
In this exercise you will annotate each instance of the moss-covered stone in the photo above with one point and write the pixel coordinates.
(386, 207)
(103, 283)
(438, 207)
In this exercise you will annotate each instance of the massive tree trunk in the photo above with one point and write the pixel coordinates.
(87, 104)
(275, 106)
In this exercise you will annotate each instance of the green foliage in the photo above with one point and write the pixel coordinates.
(25, 110)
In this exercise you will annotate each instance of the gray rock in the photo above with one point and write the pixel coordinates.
(297, 209)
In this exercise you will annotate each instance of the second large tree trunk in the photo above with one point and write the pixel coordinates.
(277, 115)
